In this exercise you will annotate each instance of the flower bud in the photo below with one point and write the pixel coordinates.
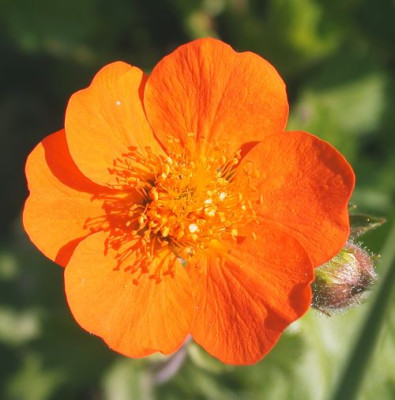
(344, 280)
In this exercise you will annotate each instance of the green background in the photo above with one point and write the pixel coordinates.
(338, 61)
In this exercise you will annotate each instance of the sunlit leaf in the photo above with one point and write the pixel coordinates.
(18, 327)
(203, 360)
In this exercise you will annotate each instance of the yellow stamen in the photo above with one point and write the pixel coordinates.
(184, 202)
(193, 228)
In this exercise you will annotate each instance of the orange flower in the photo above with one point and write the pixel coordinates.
(179, 205)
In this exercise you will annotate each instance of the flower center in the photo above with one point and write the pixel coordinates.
(181, 201)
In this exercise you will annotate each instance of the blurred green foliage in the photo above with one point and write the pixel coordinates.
(338, 61)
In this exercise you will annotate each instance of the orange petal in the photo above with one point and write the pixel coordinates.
(208, 89)
(133, 319)
(105, 119)
(304, 186)
(247, 298)
(60, 200)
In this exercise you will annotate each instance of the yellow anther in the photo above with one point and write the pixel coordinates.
(166, 169)
(222, 196)
(153, 194)
(193, 228)
(210, 211)
(179, 234)
(165, 231)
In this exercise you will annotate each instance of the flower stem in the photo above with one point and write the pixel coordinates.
(355, 367)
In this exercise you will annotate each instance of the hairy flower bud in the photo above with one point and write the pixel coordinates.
(344, 280)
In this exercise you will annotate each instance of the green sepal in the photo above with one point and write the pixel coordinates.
(361, 223)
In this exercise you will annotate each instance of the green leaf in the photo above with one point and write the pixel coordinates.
(203, 360)
(125, 380)
(342, 100)
(33, 381)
